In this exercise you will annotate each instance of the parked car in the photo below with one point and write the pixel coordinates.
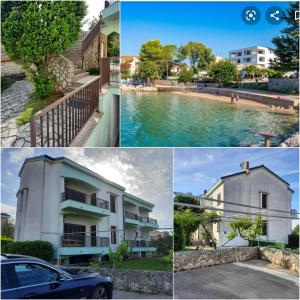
(33, 278)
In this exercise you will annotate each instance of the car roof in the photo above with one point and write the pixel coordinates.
(17, 257)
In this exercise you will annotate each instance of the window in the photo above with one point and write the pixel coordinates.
(113, 235)
(264, 228)
(264, 200)
(262, 59)
(248, 52)
(112, 203)
(238, 61)
(219, 198)
(21, 275)
(248, 59)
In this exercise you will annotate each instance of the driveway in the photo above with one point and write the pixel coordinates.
(234, 281)
(118, 294)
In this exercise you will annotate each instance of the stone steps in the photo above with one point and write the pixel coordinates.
(80, 75)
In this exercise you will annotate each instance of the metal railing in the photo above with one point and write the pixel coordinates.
(110, 70)
(83, 240)
(148, 220)
(90, 36)
(141, 244)
(58, 124)
(130, 215)
(70, 194)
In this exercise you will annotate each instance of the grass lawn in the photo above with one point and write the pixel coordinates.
(150, 263)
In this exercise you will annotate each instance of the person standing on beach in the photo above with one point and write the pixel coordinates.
(232, 98)
(237, 98)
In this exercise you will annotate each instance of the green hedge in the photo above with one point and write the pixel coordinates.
(5, 241)
(293, 241)
(94, 71)
(179, 237)
(40, 249)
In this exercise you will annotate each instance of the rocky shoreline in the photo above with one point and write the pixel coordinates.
(293, 141)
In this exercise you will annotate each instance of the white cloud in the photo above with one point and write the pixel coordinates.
(8, 173)
(19, 155)
(9, 209)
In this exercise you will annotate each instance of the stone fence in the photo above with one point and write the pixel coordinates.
(282, 258)
(63, 69)
(187, 260)
(283, 84)
(153, 282)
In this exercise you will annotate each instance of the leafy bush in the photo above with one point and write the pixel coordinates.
(121, 252)
(43, 85)
(271, 244)
(293, 241)
(6, 240)
(25, 116)
(186, 75)
(40, 249)
(94, 71)
(179, 236)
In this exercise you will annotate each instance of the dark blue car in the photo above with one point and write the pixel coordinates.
(33, 278)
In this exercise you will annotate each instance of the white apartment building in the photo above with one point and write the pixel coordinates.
(260, 192)
(78, 211)
(256, 55)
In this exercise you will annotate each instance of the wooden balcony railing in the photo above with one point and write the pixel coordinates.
(58, 124)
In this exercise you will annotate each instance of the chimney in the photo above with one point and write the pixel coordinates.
(245, 166)
(204, 192)
(106, 4)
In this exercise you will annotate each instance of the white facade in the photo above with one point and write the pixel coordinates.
(248, 188)
(257, 55)
(78, 211)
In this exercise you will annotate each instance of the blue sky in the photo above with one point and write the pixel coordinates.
(216, 24)
(198, 169)
(146, 173)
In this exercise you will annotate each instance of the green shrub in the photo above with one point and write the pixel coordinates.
(43, 85)
(122, 250)
(25, 116)
(179, 237)
(293, 241)
(94, 71)
(6, 240)
(40, 249)
(271, 244)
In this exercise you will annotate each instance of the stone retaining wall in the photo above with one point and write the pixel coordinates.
(63, 70)
(153, 282)
(282, 258)
(187, 260)
(283, 84)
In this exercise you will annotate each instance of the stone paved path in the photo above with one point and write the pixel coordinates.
(13, 101)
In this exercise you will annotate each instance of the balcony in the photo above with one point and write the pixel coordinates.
(131, 218)
(74, 202)
(80, 243)
(147, 222)
(141, 246)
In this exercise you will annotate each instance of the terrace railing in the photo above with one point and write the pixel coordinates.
(58, 124)
(70, 194)
(83, 240)
(130, 215)
(133, 243)
(147, 220)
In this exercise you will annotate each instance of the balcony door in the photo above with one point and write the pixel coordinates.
(93, 236)
(74, 235)
(94, 199)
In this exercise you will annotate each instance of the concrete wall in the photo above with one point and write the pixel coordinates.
(188, 260)
(107, 130)
(154, 282)
(283, 84)
(282, 258)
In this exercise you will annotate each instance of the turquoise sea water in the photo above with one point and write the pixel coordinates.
(169, 120)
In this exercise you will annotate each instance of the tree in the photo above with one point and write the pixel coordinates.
(205, 219)
(296, 230)
(189, 222)
(38, 30)
(113, 44)
(179, 235)
(198, 54)
(246, 228)
(125, 70)
(186, 75)
(151, 51)
(287, 45)
(164, 244)
(168, 54)
(149, 71)
(188, 200)
(8, 229)
(252, 71)
(224, 71)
